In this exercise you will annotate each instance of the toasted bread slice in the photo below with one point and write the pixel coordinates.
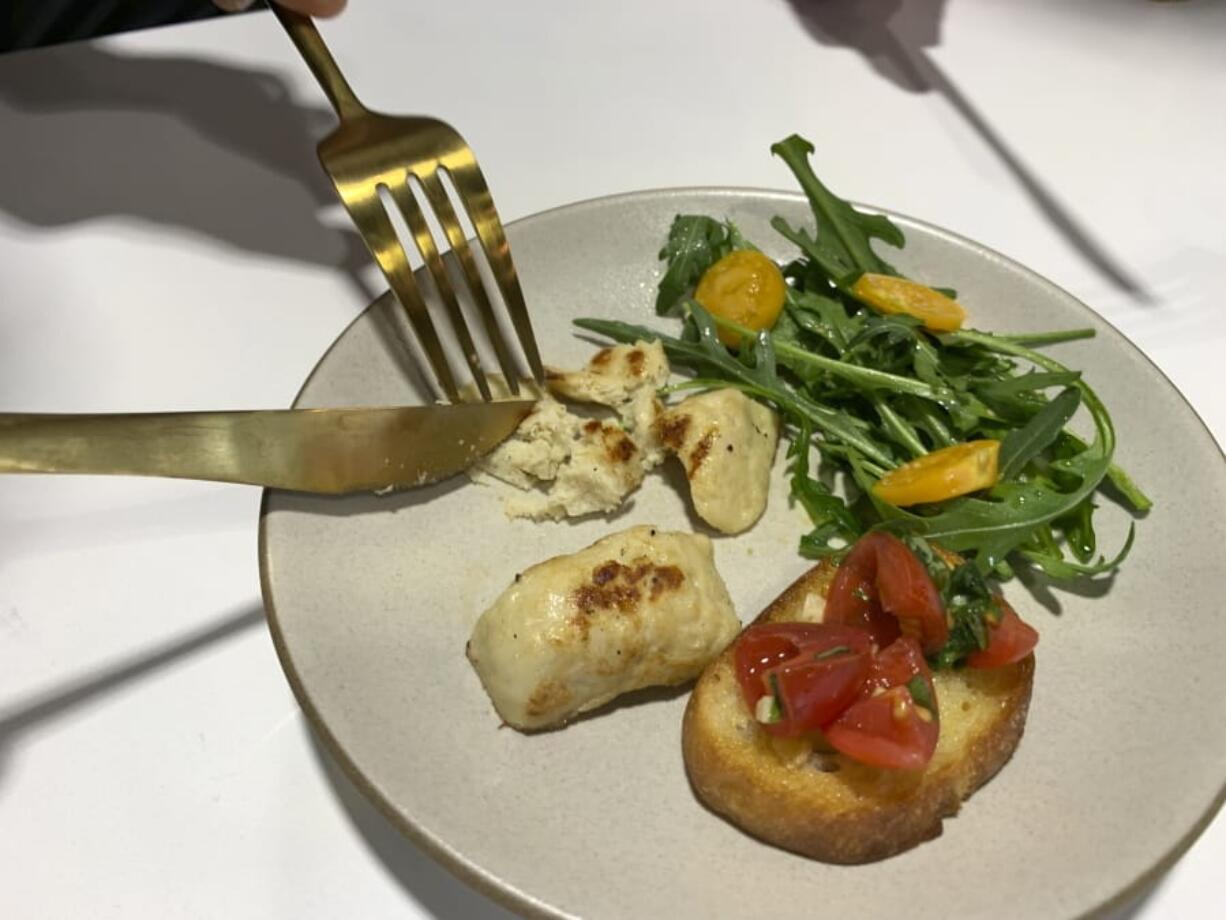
(828, 806)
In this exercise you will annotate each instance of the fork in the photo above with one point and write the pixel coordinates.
(370, 151)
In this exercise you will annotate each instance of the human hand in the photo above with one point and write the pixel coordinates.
(308, 7)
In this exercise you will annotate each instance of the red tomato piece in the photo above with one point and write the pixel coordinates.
(895, 665)
(884, 588)
(813, 670)
(814, 693)
(889, 730)
(852, 599)
(895, 723)
(1010, 640)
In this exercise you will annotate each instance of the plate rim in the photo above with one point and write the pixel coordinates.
(497, 889)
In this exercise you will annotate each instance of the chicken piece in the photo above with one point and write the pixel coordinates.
(726, 442)
(536, 450)
(603, 466)
(624, 378)
(567, 465)
(613, 375)
(635, 609)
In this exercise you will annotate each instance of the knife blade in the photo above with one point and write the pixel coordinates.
(328, 451)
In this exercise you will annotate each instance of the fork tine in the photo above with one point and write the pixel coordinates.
(479, 204)
(437, 196)
(380, 236)
(403, 196)
(357, 156)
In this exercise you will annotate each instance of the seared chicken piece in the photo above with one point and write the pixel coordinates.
(602, 467)
(537, 449)
(726, 441)
(635, 609)
(624, 378)
(568, 465)
(614, 374)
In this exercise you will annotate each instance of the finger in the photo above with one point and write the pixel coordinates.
(232, 6)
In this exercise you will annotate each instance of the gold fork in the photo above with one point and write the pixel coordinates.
(370, 151)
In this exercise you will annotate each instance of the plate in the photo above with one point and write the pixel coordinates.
(371, 600)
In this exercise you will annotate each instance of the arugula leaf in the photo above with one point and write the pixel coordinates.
(1055, 565)
(695, 243)
(1078, 528)
(843, 233)
(825, 253)
(708, 353)
(927, 418)
(823, 316)
(830, 515)
(993, 527)
(1038, 339)
(899, 428)
(1023, 444)
(1119, 479)
(872, 391)
(1028, 383)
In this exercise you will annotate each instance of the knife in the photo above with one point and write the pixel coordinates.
(329, 451)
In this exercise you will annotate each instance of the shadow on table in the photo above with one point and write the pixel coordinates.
(178, 142)
(892, 36)
(89, 688)
(431, 886)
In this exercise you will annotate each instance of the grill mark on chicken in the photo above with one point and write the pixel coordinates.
(701, 450)
(548, 696)
(671, 430)
(615, 586)
(619, 448)
(665, 578)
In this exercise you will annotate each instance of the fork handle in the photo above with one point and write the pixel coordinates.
(310, 45)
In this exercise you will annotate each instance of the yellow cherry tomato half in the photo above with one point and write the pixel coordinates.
(942, 474)
(744, 287)
(887, 294)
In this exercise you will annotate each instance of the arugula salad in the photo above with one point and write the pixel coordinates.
(937, 433)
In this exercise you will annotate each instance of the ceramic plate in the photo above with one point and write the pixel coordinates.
(371, 600)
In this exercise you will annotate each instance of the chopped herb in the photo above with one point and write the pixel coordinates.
(777, 695)
(832, 652)
(970, 606)
(922, 694)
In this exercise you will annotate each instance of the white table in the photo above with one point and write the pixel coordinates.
(167, 242)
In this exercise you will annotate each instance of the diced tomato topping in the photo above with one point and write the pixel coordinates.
(888, 730)
(812, 670)
(860, 677)
(1009, 641)
(884, 588)
(895, 665)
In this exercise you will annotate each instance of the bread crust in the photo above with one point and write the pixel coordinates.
(827, 806)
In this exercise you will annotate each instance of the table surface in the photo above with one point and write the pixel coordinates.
(168, 242)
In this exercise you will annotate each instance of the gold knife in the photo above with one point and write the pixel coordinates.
(331, 451)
